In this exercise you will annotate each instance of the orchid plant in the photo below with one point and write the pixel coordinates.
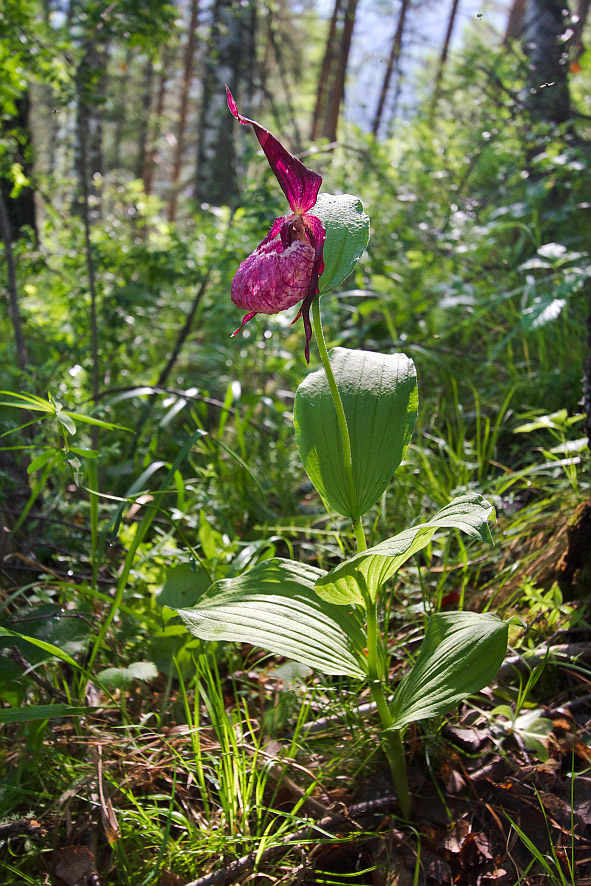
(354, 418)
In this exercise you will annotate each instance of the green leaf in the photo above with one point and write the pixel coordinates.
(50, 648)
(367, 571)
(347, 235)
(184, 585)
(68, 632)
(42, 459)
(274, 606)
(65, 420)
(461, 653)
(120, 678)
(380, 399)
(42, 712)
(96, 422)
(534, 730)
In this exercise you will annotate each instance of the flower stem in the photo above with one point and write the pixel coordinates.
(342, 421)
(391, 740)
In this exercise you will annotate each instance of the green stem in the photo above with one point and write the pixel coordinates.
(342, 421)
(93, 498)
(392, 741)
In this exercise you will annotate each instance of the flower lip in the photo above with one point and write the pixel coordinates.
(299, 184)
(284, 269)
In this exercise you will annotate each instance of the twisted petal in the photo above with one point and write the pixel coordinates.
(299, 184)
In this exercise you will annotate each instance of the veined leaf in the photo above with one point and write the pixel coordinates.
(380, 400)
(347, 235)
(461, 653)
(369, 569)
(274, 606)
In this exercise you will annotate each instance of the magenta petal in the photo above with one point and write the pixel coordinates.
(274, 277)
(299, 184)
(245, 320)
(307, 325)
(317, 235)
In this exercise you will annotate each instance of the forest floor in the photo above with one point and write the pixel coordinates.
(492, 801)
(239, 768)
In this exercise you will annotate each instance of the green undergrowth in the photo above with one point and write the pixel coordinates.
(123, 735)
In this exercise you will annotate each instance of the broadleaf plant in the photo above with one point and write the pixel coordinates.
(369, 570)
(354, 418)
(380, 400)
(274, 606)
(347, 235)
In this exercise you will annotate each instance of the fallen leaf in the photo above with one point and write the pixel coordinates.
(73, 864)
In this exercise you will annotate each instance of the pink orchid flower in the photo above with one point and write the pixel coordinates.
(284, 269)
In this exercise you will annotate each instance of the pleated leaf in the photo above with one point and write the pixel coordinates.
(379, 395)
(369, 570)
(460, 655)
(274, 606)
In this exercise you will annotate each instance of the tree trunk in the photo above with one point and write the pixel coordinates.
(548, 96)
(121, 108)
(144, 128)
(150, 162)
(515, 20)
(331, 82)
(13, 307)
(90, 267)
(230, 56)
(579, 26)
(183, 106)
(287, 81)
(444, 54)
(20, 209)
(337, 94)
(394, 60)
(325, 70)
(90, 86)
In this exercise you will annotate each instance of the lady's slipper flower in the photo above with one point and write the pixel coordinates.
(284, 269)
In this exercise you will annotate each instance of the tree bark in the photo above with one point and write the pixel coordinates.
(13, 306)
(325, 70)
(189, 55)
(85, 177)
(333, 73)
(548, 95)
(230, 57)
(579, 26)
(515, 20)
(587, 377)
(90, 87)
(20, 209)
(150, 160)
(144, 128)
(337, 94)
(122, 91)
(287, 80)
(394, 60)
(444, 54)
